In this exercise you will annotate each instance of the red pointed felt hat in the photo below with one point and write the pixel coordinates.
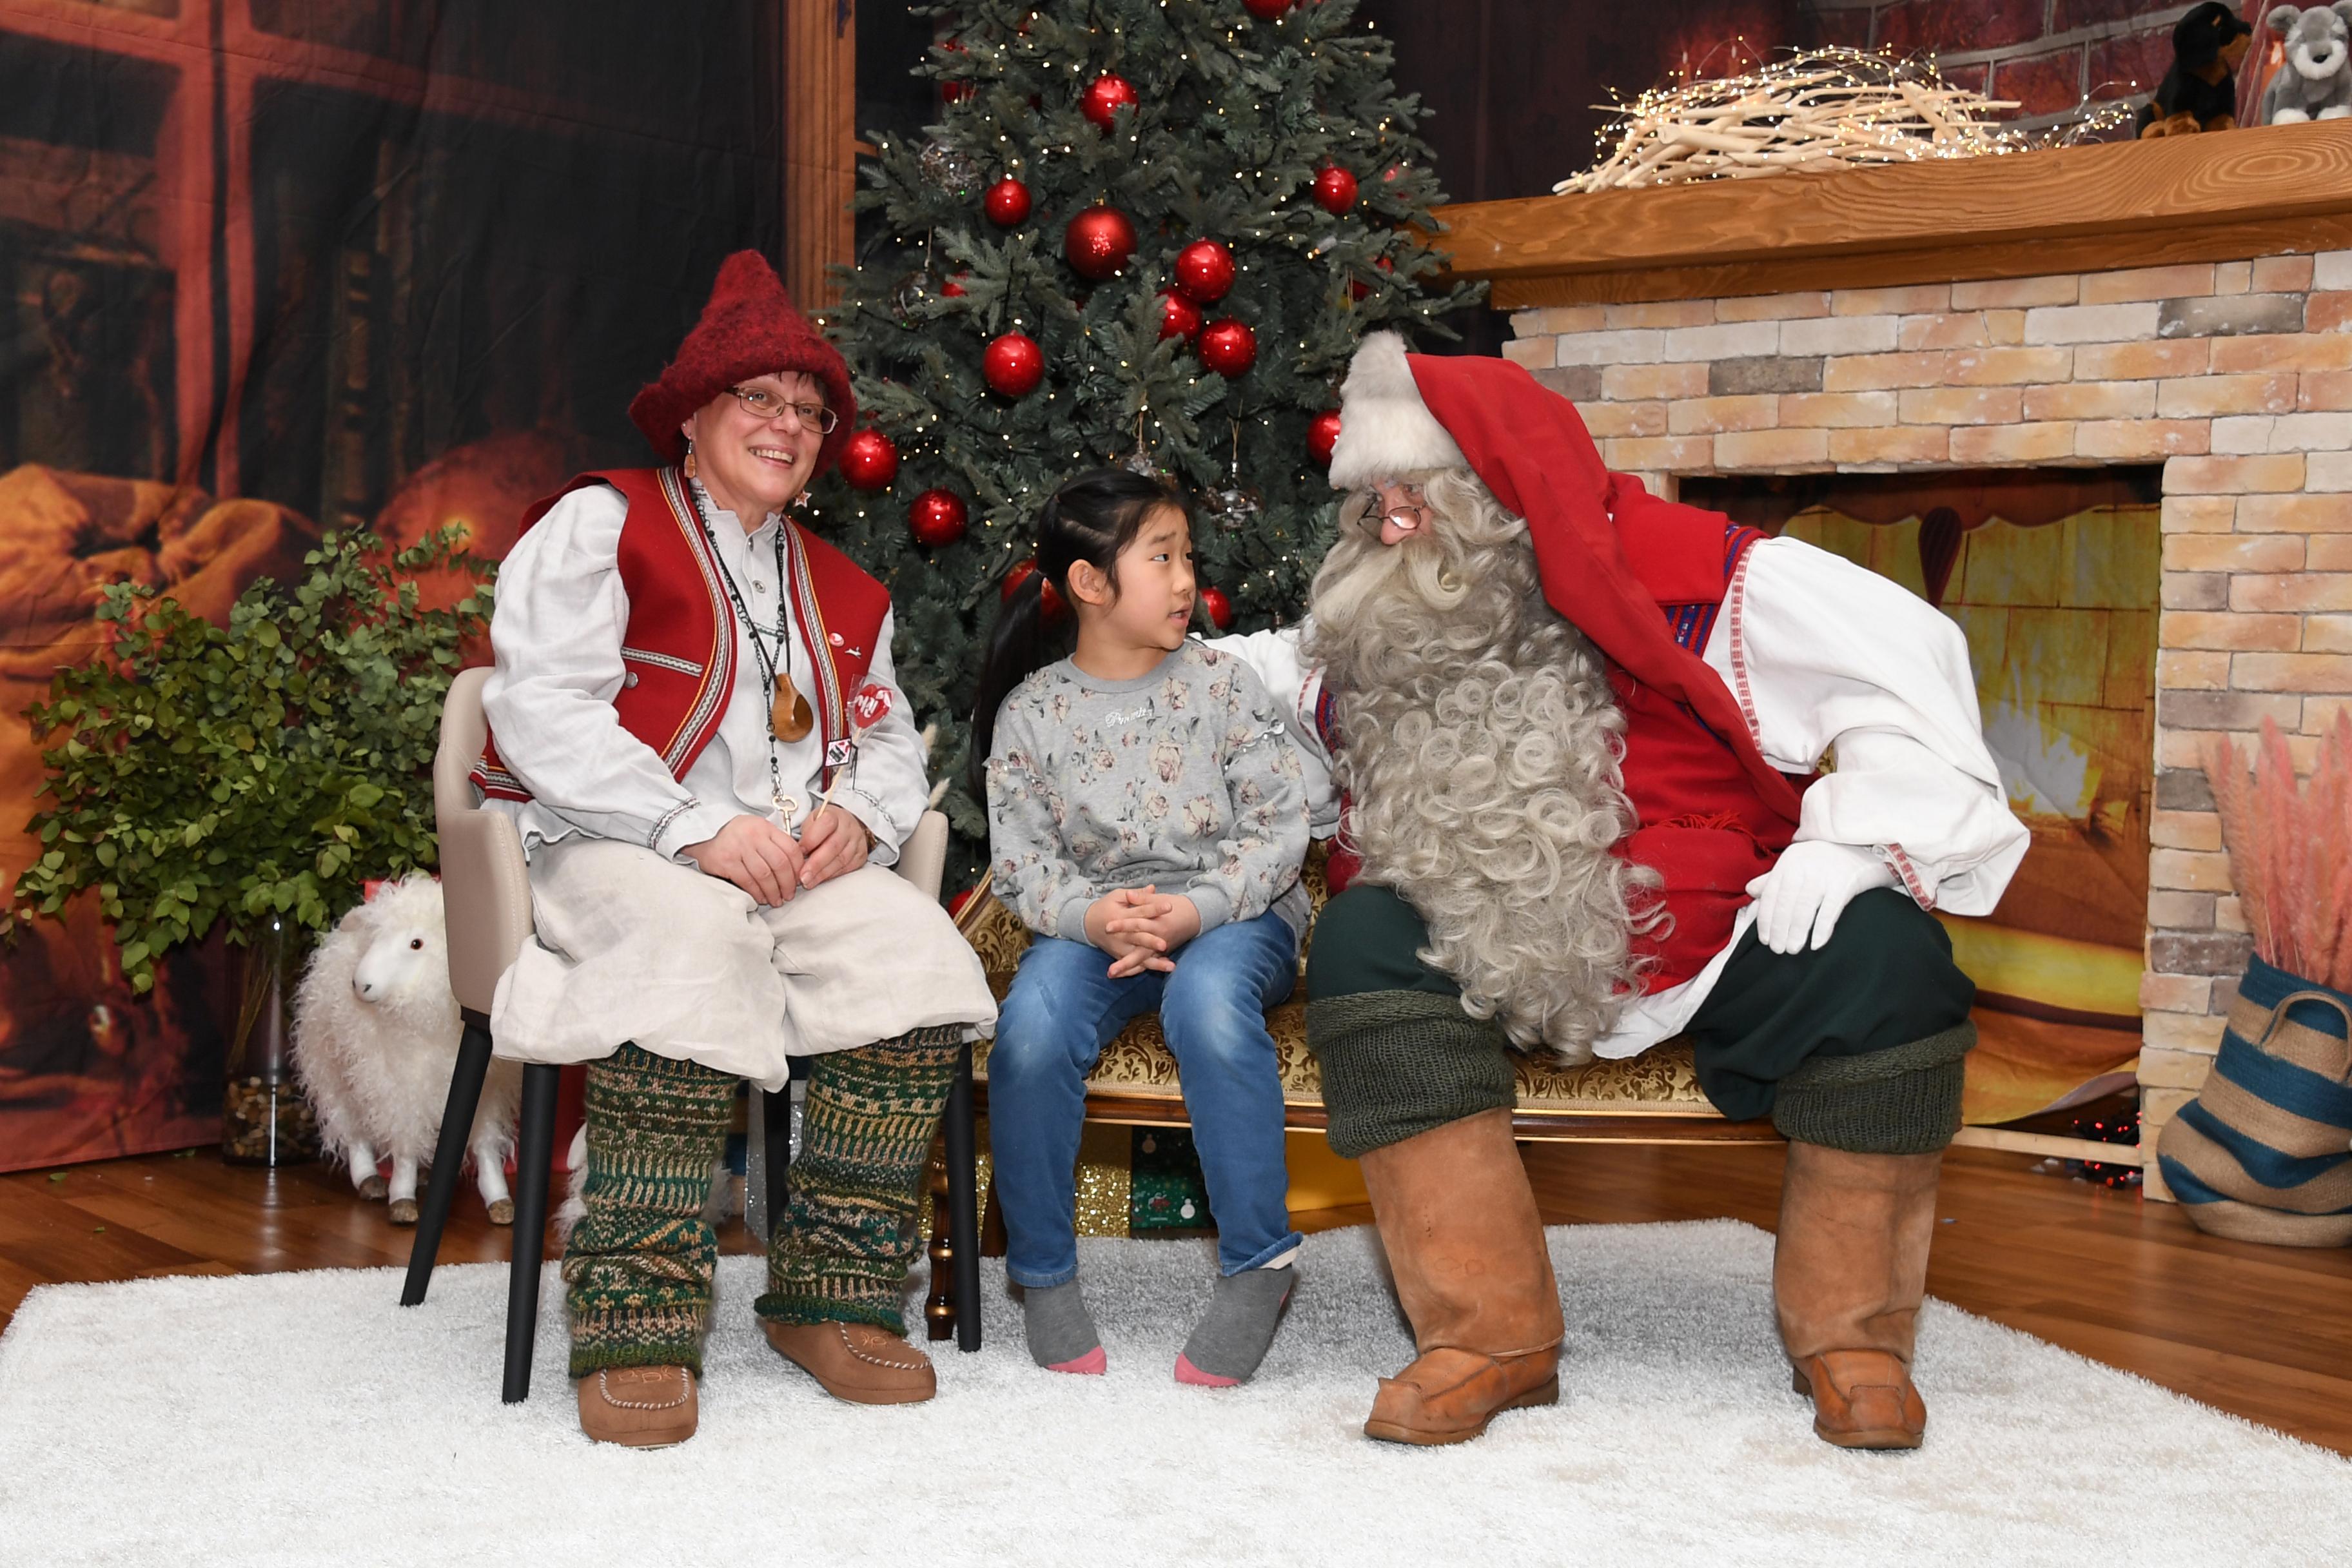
(749, 328)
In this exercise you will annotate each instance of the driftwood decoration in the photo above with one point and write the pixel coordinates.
(1819, 109)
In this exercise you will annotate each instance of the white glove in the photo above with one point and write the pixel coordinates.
(1809, 889)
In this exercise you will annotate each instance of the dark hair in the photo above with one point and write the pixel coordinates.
(1091, 518)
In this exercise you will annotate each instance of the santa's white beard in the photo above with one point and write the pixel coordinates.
(1479, 746)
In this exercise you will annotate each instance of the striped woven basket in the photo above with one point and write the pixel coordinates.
(2265, 1151)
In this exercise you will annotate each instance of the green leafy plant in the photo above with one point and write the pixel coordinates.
(263, 770)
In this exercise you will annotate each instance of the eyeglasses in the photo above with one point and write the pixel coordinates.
(1410, 512)
(762, 404)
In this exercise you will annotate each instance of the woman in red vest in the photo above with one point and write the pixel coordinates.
(1580, 733)
(697, 728)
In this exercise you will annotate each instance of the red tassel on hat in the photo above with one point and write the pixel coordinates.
(749, 328)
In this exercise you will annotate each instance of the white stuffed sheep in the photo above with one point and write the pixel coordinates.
(2315, 80)
(375, 1041)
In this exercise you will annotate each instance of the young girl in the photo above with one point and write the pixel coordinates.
(1147, 820)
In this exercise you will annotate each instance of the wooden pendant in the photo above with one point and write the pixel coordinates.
(790, 718)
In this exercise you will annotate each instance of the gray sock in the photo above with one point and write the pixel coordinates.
(1232, 1337)
(1059, 1328)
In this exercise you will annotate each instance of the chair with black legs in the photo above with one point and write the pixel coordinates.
(487, 896)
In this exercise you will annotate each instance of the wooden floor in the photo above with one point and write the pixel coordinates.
(2263, 1333)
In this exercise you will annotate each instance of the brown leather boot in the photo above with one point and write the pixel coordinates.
(1459, 1222)
(1849, 1272)
(638, 1406)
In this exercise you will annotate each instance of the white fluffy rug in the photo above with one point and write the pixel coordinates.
(306, 1419)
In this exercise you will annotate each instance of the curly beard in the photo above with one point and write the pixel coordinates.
(1481, 749)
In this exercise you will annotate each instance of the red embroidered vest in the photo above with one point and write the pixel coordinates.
(679, 645)
(1701, 821)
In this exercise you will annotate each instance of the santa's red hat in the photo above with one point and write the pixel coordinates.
(1404, 416)
(749, 328)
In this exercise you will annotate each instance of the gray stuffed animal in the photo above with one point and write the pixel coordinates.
(2315, 82)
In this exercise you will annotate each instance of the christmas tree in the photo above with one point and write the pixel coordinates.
(1148, 232)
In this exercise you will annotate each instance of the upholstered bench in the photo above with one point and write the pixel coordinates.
(1652, 1098)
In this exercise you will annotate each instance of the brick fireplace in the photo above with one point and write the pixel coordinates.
(1941, 332)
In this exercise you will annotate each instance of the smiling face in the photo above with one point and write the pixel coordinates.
(1153, 604)
(753, 465)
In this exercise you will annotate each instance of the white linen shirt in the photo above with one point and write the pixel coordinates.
(557, 633)
(1820, 654)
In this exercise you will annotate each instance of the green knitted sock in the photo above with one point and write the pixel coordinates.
(637, 1268)
(840, 1250)
(1398, 1063)
(1904, 1099)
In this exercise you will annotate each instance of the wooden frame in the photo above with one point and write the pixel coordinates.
(2216, 197)
(820, 146)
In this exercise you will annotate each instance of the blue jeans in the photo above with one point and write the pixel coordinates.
(1064, 1009)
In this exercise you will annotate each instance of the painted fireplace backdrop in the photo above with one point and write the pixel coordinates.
(275, 266)
(2053, 575)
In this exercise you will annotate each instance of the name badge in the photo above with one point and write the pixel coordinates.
(837, 753)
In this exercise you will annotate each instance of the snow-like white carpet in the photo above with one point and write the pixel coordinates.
(307, 1419)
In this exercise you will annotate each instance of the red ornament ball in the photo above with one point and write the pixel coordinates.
(1266, 10)
(1179, 317)
(1358, 287)
(937, 518)
(1335, 190)
(954, 89)
(1014, 364)
(1049, 598)
(1228, 347)
(953, 288)
(1204, 270)
(1099, 242)
(1006, 203)
(1322, 436)
(1220, 608)
(869, 461)
(1106, 96)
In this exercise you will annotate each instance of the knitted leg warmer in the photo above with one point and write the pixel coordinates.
(637, 1269)
(840, 1252)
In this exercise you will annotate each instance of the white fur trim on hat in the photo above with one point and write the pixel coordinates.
(1385, 428)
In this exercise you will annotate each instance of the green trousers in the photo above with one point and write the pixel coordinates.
(1856, 1045)
(638, 1267)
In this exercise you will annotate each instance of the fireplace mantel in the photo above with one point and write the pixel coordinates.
(2214, 197)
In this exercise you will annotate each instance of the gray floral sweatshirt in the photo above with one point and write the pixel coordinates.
(1181, 779)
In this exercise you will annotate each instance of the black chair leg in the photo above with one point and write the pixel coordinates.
(448, 1155)
(533, 1151)
(776, 1125)
(963, 1202)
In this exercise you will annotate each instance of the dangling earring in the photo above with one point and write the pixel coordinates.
(689, 457)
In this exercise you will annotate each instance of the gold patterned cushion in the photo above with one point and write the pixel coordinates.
(1659, 1082)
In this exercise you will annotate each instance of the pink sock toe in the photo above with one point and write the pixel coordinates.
(1187, 1373)
(1090, 1364)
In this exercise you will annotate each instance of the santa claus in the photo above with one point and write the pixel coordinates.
(1618, 770)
